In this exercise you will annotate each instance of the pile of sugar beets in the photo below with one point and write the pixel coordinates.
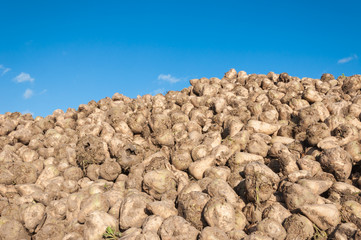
(248, 156)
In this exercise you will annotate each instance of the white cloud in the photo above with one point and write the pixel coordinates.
(6, 70)
(3, 70)
(28, 93)
(347, 59)
(159, 90)
(168, 78)
(23, 77)
(27, 111)
(44, 91)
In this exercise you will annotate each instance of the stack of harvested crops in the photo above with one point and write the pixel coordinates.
(248, 156)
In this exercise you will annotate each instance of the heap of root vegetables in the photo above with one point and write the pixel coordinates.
(248, 156)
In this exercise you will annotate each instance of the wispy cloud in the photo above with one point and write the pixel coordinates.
(347, 59)
(27, 111)
(159, 90)
(3, 70)
(168, 78)
(23, 77)
(44, 91)
(28, 93)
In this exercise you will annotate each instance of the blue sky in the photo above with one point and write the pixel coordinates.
(60, 54)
